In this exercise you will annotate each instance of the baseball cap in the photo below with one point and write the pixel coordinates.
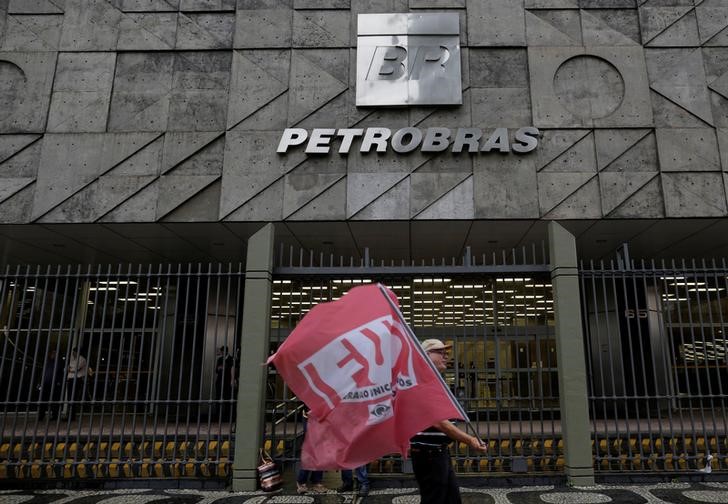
(434, 344)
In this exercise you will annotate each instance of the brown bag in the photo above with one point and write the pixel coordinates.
(268, 474)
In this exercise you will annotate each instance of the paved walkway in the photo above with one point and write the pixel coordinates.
(676, 493)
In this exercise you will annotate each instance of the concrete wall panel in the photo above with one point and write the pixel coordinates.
(688, 149)
(255, 82)
(70, 162)
(679, 76)
(457, 203)
(647, 202)
(610, 27)
(147, 31)
(171, 110)
(553, 28)
(505, 187)
(142, 92)
(308, 181)
(316, 78)
(689, 194)
(35, 6)
(26, 80)
(498, 67)
(250, 167)
(199, 31)
(32, 33)
(207, 5)
(199, 94)
(17, 208)
(81, 92)
(90, 25)
(264, 28)
(149, 5)
(589, 87)
(500, 22)
(325, 28)
(723, 146)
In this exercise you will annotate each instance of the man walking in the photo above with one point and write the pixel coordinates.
(75, 386)
(429, 448)
(51, 386)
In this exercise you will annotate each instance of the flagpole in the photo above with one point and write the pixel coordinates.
(418, 347)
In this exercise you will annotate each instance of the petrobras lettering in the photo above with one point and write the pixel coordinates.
(406, 140)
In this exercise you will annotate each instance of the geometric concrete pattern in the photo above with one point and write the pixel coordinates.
(473, 490)
(116, 111)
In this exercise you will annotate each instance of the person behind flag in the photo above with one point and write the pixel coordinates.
(305, 476)
(347, 480)
(429, 448)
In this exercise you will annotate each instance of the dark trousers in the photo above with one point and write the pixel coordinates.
(362, 476)
(435, 476)
(75, 393)
(304, 476)
(50, 400)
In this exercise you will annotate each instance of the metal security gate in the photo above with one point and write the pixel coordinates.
(124, 371)
(656, 350)
(498, 314)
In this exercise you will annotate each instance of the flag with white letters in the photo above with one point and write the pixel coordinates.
(368, 384)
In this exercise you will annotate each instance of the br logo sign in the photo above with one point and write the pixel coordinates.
(366, 365)
(408, 59)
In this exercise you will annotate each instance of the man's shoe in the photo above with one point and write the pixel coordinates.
(319, 488)
(301, 488)
(363, 491)
(345, 488)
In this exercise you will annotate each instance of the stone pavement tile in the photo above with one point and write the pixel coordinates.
(477, 492)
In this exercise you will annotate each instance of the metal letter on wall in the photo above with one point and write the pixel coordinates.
(408, 59)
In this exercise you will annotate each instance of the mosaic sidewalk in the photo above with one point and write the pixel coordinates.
(675, 493)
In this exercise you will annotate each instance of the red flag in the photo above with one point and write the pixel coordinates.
(368, 384)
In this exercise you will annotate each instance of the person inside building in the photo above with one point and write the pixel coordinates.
(224, 381)
(76, 372)
(51, 386)
(362, 477)
(429, 449)
(306, 476)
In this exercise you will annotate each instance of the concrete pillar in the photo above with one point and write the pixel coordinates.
(570, 357)
(254, 352)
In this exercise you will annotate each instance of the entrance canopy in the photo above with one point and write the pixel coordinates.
(386, 240)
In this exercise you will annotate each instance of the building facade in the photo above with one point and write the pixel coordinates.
(488, 159)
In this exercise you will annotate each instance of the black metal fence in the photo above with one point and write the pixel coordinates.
(656, 351)
(124, 371)
(497, 312)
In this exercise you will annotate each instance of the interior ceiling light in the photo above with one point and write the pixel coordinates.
(102, 288)
(543, 285)
(429, 292)
(281, 281)
(474, 286)
(672, 278)
(512, 279)
(117, 282)
(527, 296)
(706, 289)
